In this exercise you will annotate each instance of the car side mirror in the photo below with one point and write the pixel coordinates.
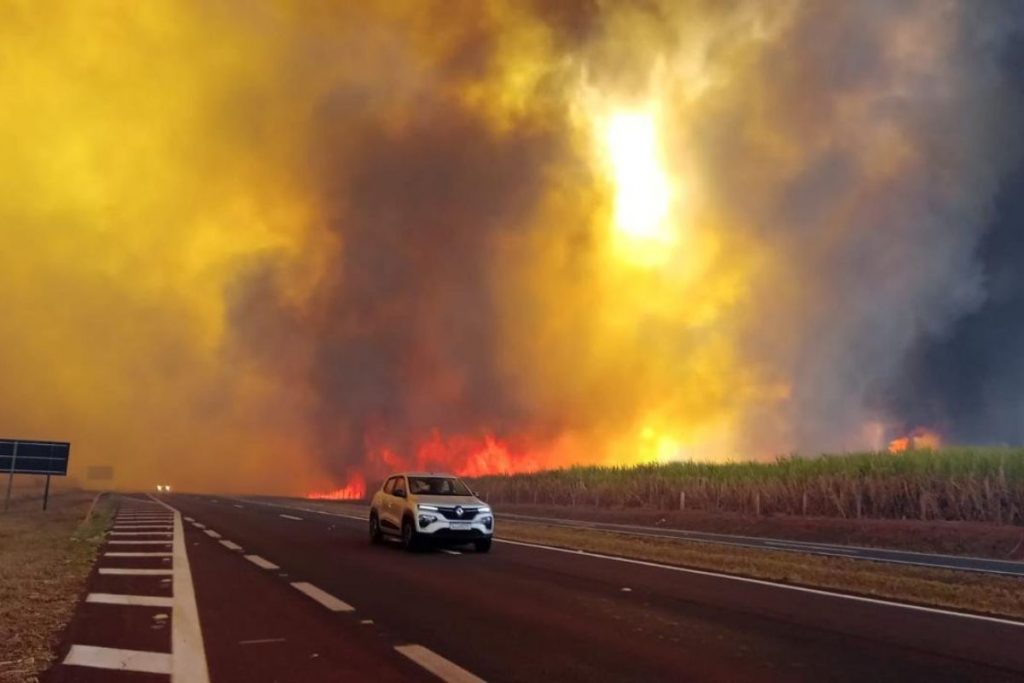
(399, 493)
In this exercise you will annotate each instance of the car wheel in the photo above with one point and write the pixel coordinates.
(375, 535)
(483, 546)
(409, 539)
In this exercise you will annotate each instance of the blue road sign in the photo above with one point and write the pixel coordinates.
(34, 457)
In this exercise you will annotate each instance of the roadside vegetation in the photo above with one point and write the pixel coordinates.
(45, 558)
(952, 484)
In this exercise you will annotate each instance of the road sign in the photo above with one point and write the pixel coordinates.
(33, 457)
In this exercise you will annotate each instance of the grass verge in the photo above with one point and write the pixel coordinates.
(966, 591)
(45, 558)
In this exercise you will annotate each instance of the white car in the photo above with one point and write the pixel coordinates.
(417, 507)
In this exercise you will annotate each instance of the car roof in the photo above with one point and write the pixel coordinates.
(424, 474)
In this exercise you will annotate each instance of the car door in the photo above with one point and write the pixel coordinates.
(386, 503)
(396, 502)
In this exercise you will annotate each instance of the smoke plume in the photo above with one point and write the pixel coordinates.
(264, 246)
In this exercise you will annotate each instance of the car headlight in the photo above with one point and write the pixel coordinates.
(488, 521)
(484, 511)
(427, 520)
(427, 507)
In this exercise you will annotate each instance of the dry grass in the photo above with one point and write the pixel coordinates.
(45, 558)
(994, 595)
(954, 484)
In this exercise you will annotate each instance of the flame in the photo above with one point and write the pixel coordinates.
(355, 489)
(920, 438)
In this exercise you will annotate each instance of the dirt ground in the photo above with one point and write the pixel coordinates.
(954, 538)
(45, 558)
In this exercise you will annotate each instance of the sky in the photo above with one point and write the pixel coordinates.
(287, 247)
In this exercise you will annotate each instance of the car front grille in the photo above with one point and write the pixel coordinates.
(468, 514)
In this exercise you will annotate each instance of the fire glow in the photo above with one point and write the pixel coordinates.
(918, 439)
(355, 489)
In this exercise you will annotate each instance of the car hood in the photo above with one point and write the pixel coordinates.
(448, 501)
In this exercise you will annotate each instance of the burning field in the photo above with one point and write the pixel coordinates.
(283, 247)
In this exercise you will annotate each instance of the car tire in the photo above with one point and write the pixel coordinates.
(483, 546)
(410, 539)
(375, 533)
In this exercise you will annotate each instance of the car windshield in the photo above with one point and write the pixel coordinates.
(438, 486)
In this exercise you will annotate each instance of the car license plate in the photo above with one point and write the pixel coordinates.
(461, 526)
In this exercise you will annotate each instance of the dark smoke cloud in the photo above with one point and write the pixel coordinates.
(968, 380)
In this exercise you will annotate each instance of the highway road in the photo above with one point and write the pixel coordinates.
(294, 595)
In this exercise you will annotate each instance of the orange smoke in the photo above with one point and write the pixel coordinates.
(920, 438)
(355, 489)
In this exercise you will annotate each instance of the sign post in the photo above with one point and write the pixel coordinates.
(10, 476)
(33, 457)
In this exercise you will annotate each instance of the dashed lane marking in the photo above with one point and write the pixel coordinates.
(449, 551)
(323, 597)
(211, 533)
(123, 660)
(128, 571)
(297, 519)
(446, 670)
(231, 545)
(134, 600)
(261, 641)
(261, 563)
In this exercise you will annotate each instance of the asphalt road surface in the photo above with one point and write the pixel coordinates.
(294, 595)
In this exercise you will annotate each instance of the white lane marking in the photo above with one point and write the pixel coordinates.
(123, 660)
(138, 554)
(198, 525)
(297, 519)
(189, 519)
(772, 584)
(260, 641)
(447, 671)
(135, 600)
(362, 518)
(450, 551)
(126, 571)
(168, 542)
(261, 563)
(239, 506)
(186, 635)
(366, 621)
(231, 545)
(140, 533)
(323, 597)
(211, 533)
